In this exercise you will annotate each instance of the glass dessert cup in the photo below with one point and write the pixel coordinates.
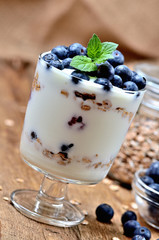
(73, 130)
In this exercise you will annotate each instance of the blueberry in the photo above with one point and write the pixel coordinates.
(56, 64)
(128, 215)
(134, 73)
(147, 180)
(50, 56)
(124, 72)
(130, 86)
(117, 81)
(118, 58)
(61, 51)
(139, 81)
(138, 237)
(143, 231)
(66, 62)
(105, 70)
(154, 186)
(76, 49)
(78, 76)
(104, 213)
(33, 135)
(153, 171)
(130, 226)
(105, 82)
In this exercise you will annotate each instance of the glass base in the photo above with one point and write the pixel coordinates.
(62, 214)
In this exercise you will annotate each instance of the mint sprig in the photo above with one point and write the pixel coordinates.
(97, 52)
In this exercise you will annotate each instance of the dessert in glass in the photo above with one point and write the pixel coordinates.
(75, 123)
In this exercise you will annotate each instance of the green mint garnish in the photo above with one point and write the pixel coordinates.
(97, 53)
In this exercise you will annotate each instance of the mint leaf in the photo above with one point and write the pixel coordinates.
(103, 58)
(83, 63)
(109, 47)
(94, 47)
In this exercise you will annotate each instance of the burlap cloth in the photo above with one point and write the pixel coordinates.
(29, 27)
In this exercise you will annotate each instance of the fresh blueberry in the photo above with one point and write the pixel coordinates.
(153, 171)
(56, 64)
(153, 195)
(117, 81)
(143, 231)
(105, 70)
(124, 72)
(66, 63)
(105, 82)
(118, 58)
(154, 186)
(33, 135)
(61, 51)
(78, 76)
(104, 213)
(139, 81)
(134, 73)
(50, 56)
(76, 49)
(138, 237)
(130, 86)
(129, 227)
(147, 180)
(128, 215)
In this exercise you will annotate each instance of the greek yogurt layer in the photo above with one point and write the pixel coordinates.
(74, 131)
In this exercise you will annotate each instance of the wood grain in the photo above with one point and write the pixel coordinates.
(15, 82)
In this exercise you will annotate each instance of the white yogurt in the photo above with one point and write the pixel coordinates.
(94, 129)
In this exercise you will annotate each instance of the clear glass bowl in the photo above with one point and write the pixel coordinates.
(147, 200)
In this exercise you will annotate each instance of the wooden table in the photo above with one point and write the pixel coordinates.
(15, 83)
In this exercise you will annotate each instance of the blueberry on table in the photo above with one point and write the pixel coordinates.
(129, 227)
(139, 81)
(124, 72)
(56, 64)
(128, 215)
(61, 51)
(105, 70)
(147, 180)
(144, 232)
(104, 213)
(138, 237)
(153, 171)
(130, 86)
(76, 49)
(117, 81)
(50, 56)
(105, 82)
(66, 63)
(78, 76)
(118, 58)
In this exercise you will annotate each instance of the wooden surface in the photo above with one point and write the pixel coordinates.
(15, 82)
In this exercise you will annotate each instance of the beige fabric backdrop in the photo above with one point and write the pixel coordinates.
(29, 27)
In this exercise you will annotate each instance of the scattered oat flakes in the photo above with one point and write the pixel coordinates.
(9, 122)
(134, 205)
(125, 207)
(1, 188)
(114, 188)
(106, 181)
(115, 238)
(85, 212)
(22, 109)
(75, 202)
(20, 180)
(6, 199)
(85, 222)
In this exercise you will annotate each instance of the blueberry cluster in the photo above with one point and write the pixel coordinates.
(110, 73)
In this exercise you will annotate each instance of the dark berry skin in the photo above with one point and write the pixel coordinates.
(118, 58)
(147, 180)
(129, 227)
(128, 215)
(130, 86)
(153, 171)
(144, 232)
(61, 51)
(66, 62)
(78, 76)
(117, 81)
(76, 49)
(124, 72)
(56, 64)
(105, 82)
(66, 147)
(139, 81)
(50, 56)
(154, 186)
(104, 213)
(105, 70)
(138, 237)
